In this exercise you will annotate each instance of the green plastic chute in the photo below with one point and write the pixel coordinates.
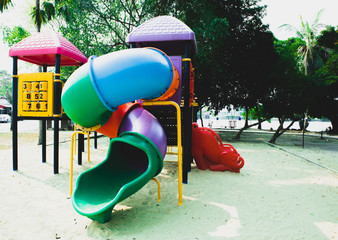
(132, 160)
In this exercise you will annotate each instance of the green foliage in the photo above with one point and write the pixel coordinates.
(235, 51)
(325, 80)
(4, 4)
(257, 112)
(330, 69)
(46, 13)
(97, 27)
(14, 35)
(308, 53)
(295, 93)
(162, 7)
(326, 89)
(328, 38)
(6, 85)
(235, 48)
(288, 93)
(327, 42)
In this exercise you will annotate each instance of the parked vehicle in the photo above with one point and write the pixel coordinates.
(5, 118)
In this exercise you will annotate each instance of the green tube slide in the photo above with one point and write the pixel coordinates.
(90, 97)
(119, 176)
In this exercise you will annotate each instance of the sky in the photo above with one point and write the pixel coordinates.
(281, 12)
(278, 12)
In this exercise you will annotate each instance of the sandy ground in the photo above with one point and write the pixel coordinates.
(280, 194)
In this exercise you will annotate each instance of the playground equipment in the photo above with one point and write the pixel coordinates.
(36, 96)
(111, 94)
(97, 96)
(100, 91)
(210, 153)
(178, 41)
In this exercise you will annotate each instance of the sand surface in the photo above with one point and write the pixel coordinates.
(282, 192)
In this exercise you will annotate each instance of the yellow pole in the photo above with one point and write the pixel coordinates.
(179, 150)
(75, 138)
(72, 142)
(158, 189)
(71, 163)
(179, 142)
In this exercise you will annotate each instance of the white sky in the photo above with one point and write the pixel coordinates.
(278, 12)
(281, 12)
(15, 16)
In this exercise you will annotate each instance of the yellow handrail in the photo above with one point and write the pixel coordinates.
(179, 141)
(72, 154)
(171, 151)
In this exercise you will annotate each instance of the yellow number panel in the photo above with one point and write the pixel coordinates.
(35, 96)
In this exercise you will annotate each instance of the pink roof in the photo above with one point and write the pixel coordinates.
(41, 48)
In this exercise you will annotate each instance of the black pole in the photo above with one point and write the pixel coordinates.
(95, 140)
(187, 116)
(44, 131)
(57, 111)
(15, 114)
(44, 141)
(79, 149)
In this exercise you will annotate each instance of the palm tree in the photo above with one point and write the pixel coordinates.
(308, 53)
(42, 14)
(4, 4)
(309, 56)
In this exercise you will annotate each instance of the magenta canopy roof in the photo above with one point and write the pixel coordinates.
(164, 32)
(42, 47)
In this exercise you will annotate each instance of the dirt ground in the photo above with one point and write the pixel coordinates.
(283, 192)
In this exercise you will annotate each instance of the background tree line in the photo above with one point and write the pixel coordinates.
(239, 62)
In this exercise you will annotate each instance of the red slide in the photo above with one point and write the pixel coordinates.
(210, 153)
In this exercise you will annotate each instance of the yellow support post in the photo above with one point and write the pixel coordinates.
(158, 189)
(71, 163)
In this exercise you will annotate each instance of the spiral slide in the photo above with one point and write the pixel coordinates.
(98, 95)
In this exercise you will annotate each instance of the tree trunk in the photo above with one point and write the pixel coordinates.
(246, 118)
(304, 128)
(37, 15)
(280, 130)
(246, 125)
(238, 135)
(40, 122)
(259, 122)
(38, 28)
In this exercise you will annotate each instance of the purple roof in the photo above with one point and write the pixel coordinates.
(165, 32)
(41, 48)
